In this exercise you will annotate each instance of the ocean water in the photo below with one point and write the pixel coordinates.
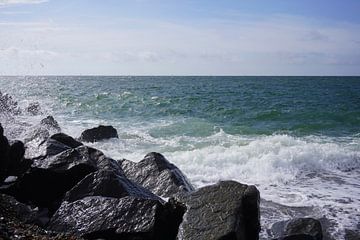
(296, 138)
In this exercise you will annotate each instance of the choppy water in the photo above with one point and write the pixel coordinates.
(296, 138)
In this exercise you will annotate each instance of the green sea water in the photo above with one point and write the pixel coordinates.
(296, 138)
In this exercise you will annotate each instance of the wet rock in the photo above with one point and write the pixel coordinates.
(8, 104)
(18, 164)
(50, 123)
(4, 155)
(46, 183)
(107, 183)
(112, 218)
(33, 108)
(98, 133)
(35, 141)
(227, 210)
(157, 174)
(352, 234)
(297, 229)
(60, 142)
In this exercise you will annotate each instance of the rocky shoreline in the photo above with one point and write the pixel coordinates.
(54, 186)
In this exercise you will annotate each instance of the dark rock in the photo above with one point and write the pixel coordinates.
(50, 122)
(98, 133)
(50, 178)
(4, 155)
(352, 234)
(107, 183)
(112, 218)
(60, 142)
(297, 229)
(34, 108)
(227, 210)
(18, 164)
(157, 174)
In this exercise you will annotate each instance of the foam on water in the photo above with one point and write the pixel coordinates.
(302, 175)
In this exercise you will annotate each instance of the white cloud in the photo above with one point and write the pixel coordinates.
(267, 46)
(15, 2)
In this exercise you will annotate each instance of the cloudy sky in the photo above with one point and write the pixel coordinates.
(180, 37)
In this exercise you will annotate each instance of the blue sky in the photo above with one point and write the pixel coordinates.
(187, 37)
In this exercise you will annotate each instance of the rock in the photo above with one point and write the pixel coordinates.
(34, 108)
(297, 229)
(18, 164)
(8, 104)
(4, 155)
(50, 178)
(227, 210)
(112, 218)
(107, 183)
(35, 141)
(352, 234)
(98, 133)
(60, 142)
(50, 123)
(157, 174)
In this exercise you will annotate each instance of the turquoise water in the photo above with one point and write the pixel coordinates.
(296, 138)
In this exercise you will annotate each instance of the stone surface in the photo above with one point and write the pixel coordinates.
(4, 155)
(50, 123)
(157, 174)
(60, 142)
(98, 133)
(227, 210)
(112, 218)
(107, 183)
(297, 229)
(33, 108)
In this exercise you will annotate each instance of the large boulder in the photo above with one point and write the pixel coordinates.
(60, 142)
(18, 164)
(49, 179)
(297, 229)
(107, 183)
(157, 174)
(227, 210)
(98, 133)
(112, 218)
(4, 154)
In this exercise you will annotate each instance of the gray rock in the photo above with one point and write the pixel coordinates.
(107, 183)
(227, 210)
(50, 123)
(4, 155)
(157, 174)
(33, 108)
(112, 218)
(98, 133)
(297, 229)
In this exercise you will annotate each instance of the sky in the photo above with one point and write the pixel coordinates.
(179, 37)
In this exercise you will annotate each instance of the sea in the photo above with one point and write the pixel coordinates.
(297, 139)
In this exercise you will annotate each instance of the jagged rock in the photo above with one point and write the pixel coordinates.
(50, 178)
(8, 104)
(107, 183)
(4, 155)
(112, 218)
(36, 139)
(297, 229)
(157, 174)
(33, 108)
(227, 210)
(50, 123)
(98, 133)
(60, 142)
(18, 164)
